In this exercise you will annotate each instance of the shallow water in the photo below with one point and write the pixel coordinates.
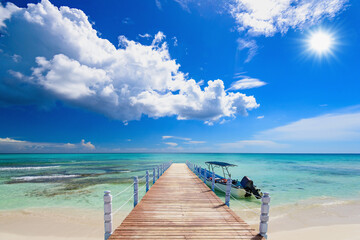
(78, 180)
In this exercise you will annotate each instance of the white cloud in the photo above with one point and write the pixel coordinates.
(158, 4)
(259, 117)
(250, 45)
(183, 140)
(247, 83)
(127, 20)
(159, 37)
(16, 58)
(74, 65)
(325, 128)
(6, 12)
(87, 144)
(175, 41)
(174, 137)
(146, 35)
(251, 146)
(13, 145)
(172, 144)
(267, 17)
(10, 140)
(195, 142)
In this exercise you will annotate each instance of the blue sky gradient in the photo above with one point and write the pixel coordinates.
(308, 103)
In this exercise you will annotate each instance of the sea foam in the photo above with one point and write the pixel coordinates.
(25, 168)
(31, 178)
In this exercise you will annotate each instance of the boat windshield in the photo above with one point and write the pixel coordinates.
(223, 165)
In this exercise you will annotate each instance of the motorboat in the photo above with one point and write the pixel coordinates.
(239, 189)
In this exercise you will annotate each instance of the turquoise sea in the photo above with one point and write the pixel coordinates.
(78, 180)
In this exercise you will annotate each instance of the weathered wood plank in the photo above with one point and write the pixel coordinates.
(180, 206)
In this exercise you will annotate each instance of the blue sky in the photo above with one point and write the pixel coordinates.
(180, 76)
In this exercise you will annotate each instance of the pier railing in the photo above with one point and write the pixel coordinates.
(108, 198)
(203, 174)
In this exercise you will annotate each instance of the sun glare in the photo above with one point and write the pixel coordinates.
(321, 42)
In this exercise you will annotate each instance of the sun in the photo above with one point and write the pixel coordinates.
(321, 42)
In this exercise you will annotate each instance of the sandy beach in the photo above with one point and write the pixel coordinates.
(329, 221)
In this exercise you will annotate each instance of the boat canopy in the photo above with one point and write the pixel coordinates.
(223, 165)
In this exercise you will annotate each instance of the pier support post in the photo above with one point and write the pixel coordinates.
(213, 182)
(264, 217)
(147, 181)
(136, 191)
(228, 192)
(158, 172)
(107, 214)
(154, 175)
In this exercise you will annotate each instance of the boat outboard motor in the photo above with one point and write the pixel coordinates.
(250, 188)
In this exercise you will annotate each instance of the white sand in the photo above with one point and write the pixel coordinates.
(56, 224)
(328, 222)
(332, 232)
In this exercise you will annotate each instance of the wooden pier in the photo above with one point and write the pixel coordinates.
(180, 206)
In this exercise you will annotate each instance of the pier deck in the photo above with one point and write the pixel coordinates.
(180, 206)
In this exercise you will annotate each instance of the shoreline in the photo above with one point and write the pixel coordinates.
(294, 221)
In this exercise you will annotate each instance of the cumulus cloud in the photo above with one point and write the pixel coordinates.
(246, 83)
(63, 58)
(13, 145)
(328, 127)
(267, 17)
(87, 144)
(260, 117)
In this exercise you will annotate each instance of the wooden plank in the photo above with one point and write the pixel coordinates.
(180, 206)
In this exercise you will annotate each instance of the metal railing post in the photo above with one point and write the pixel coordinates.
(107, 214)
(136, 191)
(154, 176)
(228, 192)
(264, 217)
(147, 181)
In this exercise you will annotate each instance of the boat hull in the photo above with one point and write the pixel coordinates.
(235, 192)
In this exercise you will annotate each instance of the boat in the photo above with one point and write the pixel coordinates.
(239, 189)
